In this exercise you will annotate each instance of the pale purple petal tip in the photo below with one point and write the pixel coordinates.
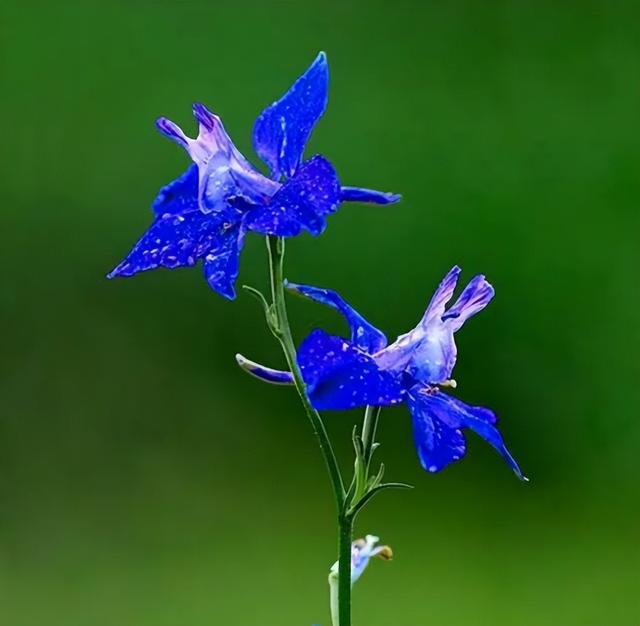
(475, 297)
(204, 116)
(172, 131)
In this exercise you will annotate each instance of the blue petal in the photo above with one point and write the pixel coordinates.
(339, 376)
(441, 296)
(428, 352)
(221, 264)
(179, 196)
(180, 241)
(360, 194)
(276, 377)
(283, 129)
(223, 172)
(451, 415)
(475, 297)
(365, 336)
(301, 203)
(438, 445)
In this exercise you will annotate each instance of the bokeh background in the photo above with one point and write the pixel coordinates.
(145, 481)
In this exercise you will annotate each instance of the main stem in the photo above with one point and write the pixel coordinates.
(345, 528)
(281, 329)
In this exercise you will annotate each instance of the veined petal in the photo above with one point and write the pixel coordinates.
(441, 296)
(399, 355)
(429, 352)
(223, 172)
(476, 295)
(282, 130)
(360, 194)
(364, 335)
(449, 415)
(339, 376)
(222, 261)
(301, 203)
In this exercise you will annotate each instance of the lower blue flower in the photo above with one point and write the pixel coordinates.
(343, 374)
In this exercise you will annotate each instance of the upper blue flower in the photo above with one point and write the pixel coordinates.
(204, 214)
(363, 370)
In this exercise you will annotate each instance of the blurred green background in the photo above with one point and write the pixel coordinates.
(145, 481)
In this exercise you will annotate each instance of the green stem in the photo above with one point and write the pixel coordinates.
(345, 523)
(282, 331)
(279, 322)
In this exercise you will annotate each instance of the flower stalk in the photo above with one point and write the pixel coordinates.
(279, 325)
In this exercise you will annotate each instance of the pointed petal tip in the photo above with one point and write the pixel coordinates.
(320, 61)
(368, 196)
(115, 272)
(204, 116)
(171, 130)
(228, 295)
(294, 288)
(164, 125)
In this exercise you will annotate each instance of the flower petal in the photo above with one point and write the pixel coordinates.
(282, 130)
(451, 415)
(437, 444)
(401, 353)
(276, 377)
(223, 172)
(360, 194)
(180, 241)
(339, 376)
(435, 354)
(364, 335)
(221, 263)
(475, 297)
(362, 550)
(301, 203)
(179, 196)
(429, 352)
(171, 241)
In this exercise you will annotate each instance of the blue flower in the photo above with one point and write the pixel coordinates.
(203, 214)
(364, 370)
